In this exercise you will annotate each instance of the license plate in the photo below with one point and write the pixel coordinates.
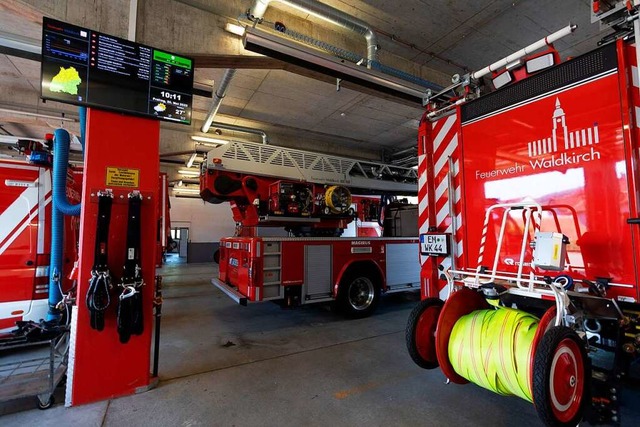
(434, 244)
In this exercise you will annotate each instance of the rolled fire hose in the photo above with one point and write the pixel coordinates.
(493, 349)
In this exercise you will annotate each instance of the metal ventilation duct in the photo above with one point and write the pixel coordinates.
(295, 53)
(218, 96)
(329, 14)
(236, 128)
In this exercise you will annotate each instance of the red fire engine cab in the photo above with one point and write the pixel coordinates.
(528, 233)
(25, 240)
(309, 195)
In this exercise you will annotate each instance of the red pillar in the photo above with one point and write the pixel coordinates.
(100, 366)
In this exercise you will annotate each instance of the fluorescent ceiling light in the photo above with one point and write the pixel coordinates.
(191, 160)
(207, 139)
(189, 172)
(186, 190)
(236, 29)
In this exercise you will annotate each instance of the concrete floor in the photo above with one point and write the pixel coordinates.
(226, 365)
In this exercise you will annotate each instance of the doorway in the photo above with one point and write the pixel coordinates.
(177, 249)
(183, 242)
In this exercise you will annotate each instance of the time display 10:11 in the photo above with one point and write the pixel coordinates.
(169, 95)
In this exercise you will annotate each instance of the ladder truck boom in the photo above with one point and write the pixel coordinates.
(316, 168)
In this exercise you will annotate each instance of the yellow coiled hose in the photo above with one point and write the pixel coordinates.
(492, 348)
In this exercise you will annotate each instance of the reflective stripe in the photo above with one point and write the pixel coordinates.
(42, 271)
(44, 188)
(446, 144)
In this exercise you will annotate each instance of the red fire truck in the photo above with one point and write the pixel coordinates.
(25, 240)
(309, 194)
(530, 201)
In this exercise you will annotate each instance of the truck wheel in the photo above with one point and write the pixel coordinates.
(560, 376)
(420, 334)
(359, 294)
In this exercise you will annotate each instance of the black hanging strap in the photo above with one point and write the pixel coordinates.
(130, 300)
(98, 298)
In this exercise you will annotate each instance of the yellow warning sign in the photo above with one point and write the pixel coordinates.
(123, 177)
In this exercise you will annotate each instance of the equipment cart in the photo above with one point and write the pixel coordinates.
(37, 374)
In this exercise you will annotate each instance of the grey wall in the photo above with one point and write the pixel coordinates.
(201, 251)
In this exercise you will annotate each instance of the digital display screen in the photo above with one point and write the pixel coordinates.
(85, 67)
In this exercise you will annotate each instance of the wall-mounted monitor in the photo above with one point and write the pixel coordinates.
(85, 67)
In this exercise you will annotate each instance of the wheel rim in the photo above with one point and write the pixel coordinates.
(426, 333)
(566, 382)
(546, 323)
(361, 293)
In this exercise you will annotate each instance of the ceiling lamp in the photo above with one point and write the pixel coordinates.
(189, 172)
(186, 190)
(191, 159)
(236, 29)
(210, 140)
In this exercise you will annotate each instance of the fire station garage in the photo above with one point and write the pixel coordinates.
(319, 212)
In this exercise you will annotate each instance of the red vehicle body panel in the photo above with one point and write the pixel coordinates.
(25, 240)
(573, 150)
(242, 260)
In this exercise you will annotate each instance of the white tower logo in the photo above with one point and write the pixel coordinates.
(561, 137)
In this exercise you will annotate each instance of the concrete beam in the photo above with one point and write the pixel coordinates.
(111, 17)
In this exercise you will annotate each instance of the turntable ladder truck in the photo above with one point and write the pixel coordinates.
(309, 194)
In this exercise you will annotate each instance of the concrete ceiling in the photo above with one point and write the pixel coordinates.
(287, 99)
(433, 38)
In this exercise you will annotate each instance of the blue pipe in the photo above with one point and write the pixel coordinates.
(61, 141)
(83, 124)
(60, 208)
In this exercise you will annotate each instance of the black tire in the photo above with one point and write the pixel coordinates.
(561, 401)
(359, 294)
(48, 404)
(420, 335)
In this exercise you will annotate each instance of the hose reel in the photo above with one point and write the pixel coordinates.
(507, 351)
(337, 199)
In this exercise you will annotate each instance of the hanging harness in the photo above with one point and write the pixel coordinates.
(130, 300)
(98, 298)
